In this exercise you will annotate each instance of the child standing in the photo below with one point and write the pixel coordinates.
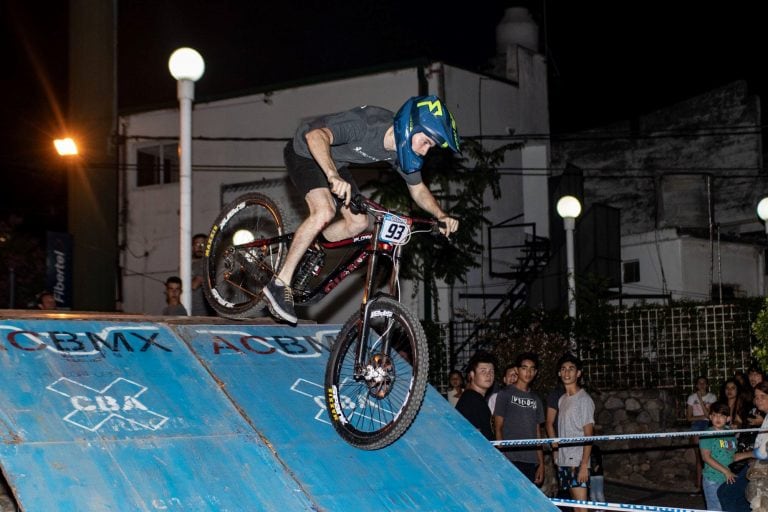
(718, 452)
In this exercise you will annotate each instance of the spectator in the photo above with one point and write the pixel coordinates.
(45, 300)
(732, 496)
(741, 379)
(575, 418)
(755, 375)
(510, 377)
(757, 488)
(200, 306)
(697, 409)
(718, 452)
(472, 404)
(456, 381)
(697, 413)
(754, 417)
(173, 307)
(519, 414)
(732, 394)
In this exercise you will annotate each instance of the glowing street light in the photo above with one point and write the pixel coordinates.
(65, 147)
(762, 212)
(568, 207)
(186, 66)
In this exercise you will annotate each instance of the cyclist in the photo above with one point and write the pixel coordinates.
(317, 160)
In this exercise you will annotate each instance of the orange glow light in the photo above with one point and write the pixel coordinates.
(65, 147)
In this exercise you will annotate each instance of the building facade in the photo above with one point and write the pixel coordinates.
(686, 180)
(238, 144)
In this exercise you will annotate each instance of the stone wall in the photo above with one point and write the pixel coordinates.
(668, 463)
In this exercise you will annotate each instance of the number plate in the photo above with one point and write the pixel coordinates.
(394, 230)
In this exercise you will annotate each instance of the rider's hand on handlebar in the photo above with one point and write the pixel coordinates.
(451, 225)
(341, 189)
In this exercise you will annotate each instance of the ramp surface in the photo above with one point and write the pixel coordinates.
(125, 415)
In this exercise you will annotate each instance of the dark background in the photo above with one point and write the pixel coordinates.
(607, 61)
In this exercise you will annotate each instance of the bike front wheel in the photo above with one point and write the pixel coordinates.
(372, 404)
(236, 270)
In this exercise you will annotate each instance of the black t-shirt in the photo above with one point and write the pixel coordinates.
(358, 138)
(472, 405)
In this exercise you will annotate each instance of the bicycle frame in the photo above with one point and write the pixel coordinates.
(364, 250)
(369, 248)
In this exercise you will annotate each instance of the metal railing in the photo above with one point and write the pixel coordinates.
(670, 347)
(647, 348)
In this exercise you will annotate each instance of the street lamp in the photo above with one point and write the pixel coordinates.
(186, 66)
(65, 147)
(762, 212)
(568, 207)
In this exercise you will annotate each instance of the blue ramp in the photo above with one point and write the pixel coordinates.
(105, 415)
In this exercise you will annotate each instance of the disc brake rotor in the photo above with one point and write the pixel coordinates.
(379, 375)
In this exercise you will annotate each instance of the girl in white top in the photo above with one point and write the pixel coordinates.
(697, 413)
(697, 410)
(456, 381)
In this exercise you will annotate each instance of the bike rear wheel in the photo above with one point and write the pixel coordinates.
(235, 275)
(371, 407)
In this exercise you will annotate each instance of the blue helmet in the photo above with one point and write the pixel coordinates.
(427, 114)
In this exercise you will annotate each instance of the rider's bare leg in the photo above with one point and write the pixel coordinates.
(350, 224)
(322, 209)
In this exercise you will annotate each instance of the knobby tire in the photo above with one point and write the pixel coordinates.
(359, 414)
(234, 277)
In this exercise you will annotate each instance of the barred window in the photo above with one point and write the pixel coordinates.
(631, 271)
(157, 164)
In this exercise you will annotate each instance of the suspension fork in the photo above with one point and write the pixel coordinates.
(373, 259)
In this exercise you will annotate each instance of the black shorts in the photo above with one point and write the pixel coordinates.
(306, 175)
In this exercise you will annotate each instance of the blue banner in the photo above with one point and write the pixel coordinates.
(58, 268)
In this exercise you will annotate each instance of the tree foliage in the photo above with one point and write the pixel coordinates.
(459, 185)
(760, 330)
(532, 330)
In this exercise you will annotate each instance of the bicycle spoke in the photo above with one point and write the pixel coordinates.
(372, 404)
(237, 274)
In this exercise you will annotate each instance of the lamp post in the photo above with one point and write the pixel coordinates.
(186, 66)
(762, 212)
(568, 207)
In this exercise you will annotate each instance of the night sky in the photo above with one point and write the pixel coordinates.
(608, 61)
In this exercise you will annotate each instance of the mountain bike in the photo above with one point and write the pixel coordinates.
(376, 375)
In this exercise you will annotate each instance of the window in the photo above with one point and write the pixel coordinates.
(157, 164)
(631, 271)
(729, 291)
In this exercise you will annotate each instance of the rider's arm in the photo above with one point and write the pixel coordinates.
(427, 202)
(319, 143)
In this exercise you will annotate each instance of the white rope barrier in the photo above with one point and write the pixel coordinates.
(619, 506)
(620, 437)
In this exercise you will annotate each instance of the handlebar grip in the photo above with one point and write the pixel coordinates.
(356, 204)
(436, 227)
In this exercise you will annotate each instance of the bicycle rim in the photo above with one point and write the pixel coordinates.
(374, 410)
(235, 276)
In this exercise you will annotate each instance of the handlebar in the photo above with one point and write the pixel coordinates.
(362, 204)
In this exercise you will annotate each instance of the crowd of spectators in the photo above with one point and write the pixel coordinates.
(729, 464)
(513, 410)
